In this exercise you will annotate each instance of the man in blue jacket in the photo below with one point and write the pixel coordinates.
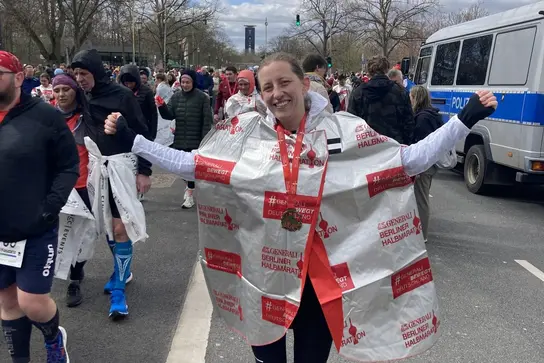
(30, 82)
(205, 81)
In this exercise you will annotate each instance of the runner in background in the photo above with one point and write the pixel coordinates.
(71, 104)
(344, 91)
(44, 90)
(38, 172)
(190, 110)
(107, 97)
(165, 135)
(246, 99)
(227, 88)
(137, 81)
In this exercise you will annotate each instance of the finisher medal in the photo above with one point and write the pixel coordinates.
(291, 220)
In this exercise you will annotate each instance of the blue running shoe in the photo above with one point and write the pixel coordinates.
(108, 288)
(57, 352)
(118, 305)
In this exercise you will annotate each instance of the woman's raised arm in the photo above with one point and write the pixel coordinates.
(178, 162)
(419, 157)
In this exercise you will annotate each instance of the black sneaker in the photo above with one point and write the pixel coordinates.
(73, 295)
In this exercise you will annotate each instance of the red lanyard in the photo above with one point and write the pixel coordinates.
(231, 90)
(291, 220)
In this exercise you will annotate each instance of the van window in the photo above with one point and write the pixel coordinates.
(474, 61)
(422, 70)
(444, 64)
(512, 57)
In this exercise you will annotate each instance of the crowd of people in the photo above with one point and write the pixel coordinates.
(92, 134)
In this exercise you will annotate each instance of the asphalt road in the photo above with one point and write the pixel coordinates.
(492, 307)
(162, 268)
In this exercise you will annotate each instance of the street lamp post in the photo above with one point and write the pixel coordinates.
(139, 44)
(133, 25)
(265, 36)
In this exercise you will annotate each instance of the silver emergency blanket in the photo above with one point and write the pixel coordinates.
(240, 103)
(354, 197)
(77, 235)
(117, 172)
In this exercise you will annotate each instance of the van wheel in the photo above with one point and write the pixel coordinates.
(475, 169)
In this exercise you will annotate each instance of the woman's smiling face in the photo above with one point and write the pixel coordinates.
(283, 91)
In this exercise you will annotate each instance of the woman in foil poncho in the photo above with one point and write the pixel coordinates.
(247, 99)
(308, 221)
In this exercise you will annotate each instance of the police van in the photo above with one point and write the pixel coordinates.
(504, 53)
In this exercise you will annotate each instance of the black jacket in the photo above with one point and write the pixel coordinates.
(145, 97)
(385, 106)
(193, 116)
(427, 121)
(39, 166)
(334, 99)
(107, 97)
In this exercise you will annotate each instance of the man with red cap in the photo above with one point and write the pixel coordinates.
(40, 166)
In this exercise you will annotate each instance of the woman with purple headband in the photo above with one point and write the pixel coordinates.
(71, 102)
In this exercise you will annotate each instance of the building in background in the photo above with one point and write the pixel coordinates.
(250, 39)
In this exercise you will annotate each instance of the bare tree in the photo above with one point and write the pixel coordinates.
(296, 45)
(81, 15)
(474, 11)
(164, 18)
(387, 23)
(321, 21)
(44, 22)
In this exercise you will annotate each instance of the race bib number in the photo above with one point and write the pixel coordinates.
(12, 253)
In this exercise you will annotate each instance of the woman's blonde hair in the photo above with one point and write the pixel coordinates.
(421, 99)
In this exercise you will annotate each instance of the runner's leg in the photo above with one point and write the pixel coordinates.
(121, 236)
(422, 188)
(16, 326)
(313, 340)
(34, 280)
(122, 262)
(271, 353)
(188, 198)
(73, 294)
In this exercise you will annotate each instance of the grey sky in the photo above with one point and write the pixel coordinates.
(281, 13)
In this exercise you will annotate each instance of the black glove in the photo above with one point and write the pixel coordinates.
(474, 111)
(124, 133)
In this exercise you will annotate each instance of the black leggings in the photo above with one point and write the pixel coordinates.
(190, 184)
(76, 272)
(313, 340)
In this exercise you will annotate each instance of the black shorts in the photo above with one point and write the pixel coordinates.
(84, 194)
(113, 206)
(35, 276)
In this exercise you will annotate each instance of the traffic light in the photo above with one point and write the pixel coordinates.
(298, 20)
(329, 62)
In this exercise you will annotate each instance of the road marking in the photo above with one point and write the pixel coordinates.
(160, 181)
(532, 269)
(191, 338)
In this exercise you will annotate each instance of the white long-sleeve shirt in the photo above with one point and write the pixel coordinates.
(416, 158)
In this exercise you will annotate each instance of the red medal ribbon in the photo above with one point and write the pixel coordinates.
(231, 90)
(290, 175)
